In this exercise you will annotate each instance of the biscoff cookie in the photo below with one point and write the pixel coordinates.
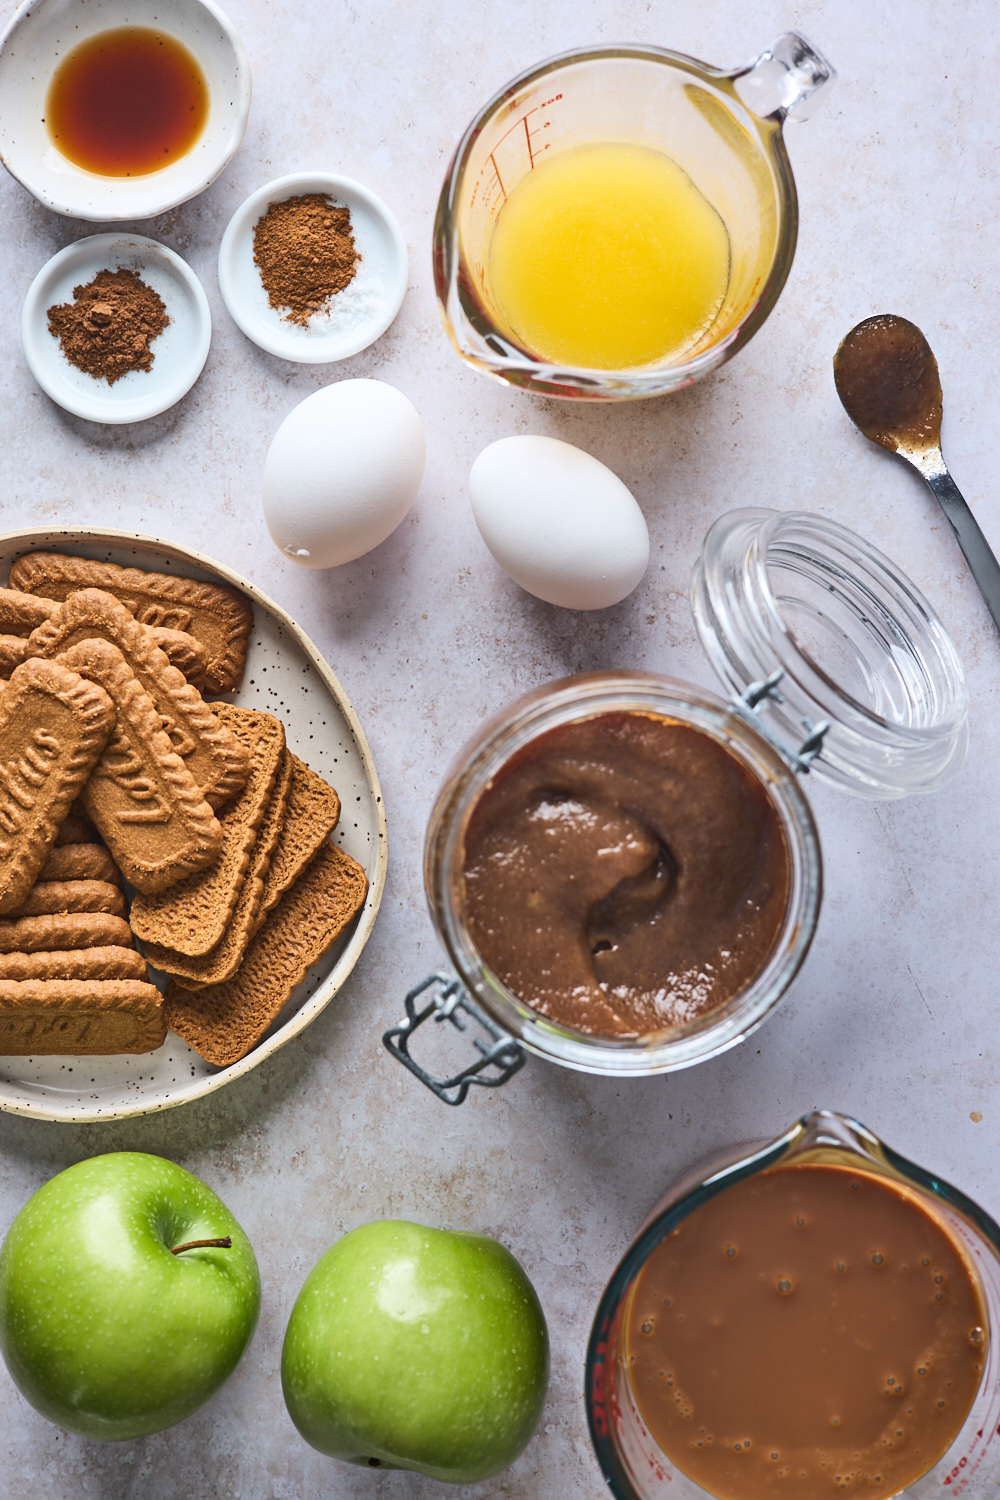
(223, 1021)
(312, 814)
(14, 649)
(80, 862)
(79, 1017)
(192, 916)
(75, 963)
(215, 758)
(141, 796)
(220, 617)
(183, 651)
(227, 955)
(53, 727)
(51, 897)
(20, 613)
(75, 830)
(95, 929)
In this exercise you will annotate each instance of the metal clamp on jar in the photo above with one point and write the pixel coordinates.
(837, 666)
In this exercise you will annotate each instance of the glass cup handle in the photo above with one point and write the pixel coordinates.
(787, 81)
(497, 1059)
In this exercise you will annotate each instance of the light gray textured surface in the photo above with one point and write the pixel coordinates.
(893, 1017)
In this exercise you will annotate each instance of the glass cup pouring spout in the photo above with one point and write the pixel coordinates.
(723, 129)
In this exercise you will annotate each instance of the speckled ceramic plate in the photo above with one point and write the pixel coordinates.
(287, 676)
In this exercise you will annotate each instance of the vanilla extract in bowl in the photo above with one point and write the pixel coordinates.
(127, 102)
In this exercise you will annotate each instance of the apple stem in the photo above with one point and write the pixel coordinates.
(226, 1243)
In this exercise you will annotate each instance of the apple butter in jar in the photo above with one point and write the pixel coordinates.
(625, 874)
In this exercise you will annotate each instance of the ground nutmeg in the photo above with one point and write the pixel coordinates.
(107, 329)
(304, 250)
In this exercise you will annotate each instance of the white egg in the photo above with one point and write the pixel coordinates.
(342, 472)
(559, 522)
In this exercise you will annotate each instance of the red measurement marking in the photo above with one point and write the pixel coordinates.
(527, 137)
(497, 171)
(517, 124)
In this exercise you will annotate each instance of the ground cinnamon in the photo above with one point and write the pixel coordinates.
(304, 250)
(107, 329)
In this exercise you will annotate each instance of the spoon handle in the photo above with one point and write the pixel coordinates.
(978, 553)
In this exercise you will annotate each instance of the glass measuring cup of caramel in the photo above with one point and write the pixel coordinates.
(963, 1460)
(838, 669)
(722, 129)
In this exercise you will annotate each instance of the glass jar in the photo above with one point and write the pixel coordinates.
(723, 128)
(572, 700)
(634, 1465)
(839, 668)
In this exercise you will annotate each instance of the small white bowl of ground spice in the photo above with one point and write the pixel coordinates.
(313, 267)
(116, 328)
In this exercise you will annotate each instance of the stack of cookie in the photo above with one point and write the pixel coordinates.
(71, 980)
(238, 938)
(220, 829)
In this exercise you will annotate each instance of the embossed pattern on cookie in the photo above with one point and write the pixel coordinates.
(75, 830)
(51, 897)
(223, 1021)
(227, 955)
(192, 917)
(80, 862)
(79, 1017)
(74, 963)
(96, 929)
(20, 613)
(14, 649)
(183, 651)
(141, 795)
(215, 758)
(220, 617)
(53, 727)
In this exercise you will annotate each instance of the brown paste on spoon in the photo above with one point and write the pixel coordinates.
(625, 874)
(888, 381)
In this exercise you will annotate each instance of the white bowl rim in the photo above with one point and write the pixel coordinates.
(273, 342)
(307, 1013)
(230, 145)
(97, 409)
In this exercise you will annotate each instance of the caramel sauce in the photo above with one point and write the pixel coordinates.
(127, 102)
(625, 875)
(809, 1332)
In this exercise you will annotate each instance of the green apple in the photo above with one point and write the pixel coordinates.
(104, 1329)
(419, 1349)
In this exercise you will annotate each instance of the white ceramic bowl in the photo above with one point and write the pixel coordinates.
(285, 675)
(358, 315)
(179, 353)
(35, 42)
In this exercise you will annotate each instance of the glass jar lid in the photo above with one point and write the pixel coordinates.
(855, 642)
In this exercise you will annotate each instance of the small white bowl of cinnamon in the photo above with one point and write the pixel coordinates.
(313, 267)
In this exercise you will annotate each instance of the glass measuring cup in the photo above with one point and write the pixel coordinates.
(636, 1468)
(723, 128)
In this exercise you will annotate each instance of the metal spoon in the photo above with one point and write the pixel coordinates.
(888, 381)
